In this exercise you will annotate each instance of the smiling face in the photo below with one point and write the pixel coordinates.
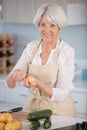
(48, 31)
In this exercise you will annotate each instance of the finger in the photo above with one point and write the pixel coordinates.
(20, 76)
(26, 83)
(24, 76)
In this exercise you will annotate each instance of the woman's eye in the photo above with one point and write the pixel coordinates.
(42, 25)
(52, 25)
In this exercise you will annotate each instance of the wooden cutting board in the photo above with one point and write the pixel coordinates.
(20, 116)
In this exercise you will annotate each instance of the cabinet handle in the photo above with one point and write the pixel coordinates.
(75, 101)
(23, 95)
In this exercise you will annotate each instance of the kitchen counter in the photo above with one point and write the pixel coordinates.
(57, 122)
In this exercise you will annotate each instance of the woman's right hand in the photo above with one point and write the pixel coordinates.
(18, 75)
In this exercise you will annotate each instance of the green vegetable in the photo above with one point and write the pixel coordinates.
(34, 116)
(34, 125)
(47, 123)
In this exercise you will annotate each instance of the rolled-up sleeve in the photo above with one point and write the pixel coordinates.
(65, 76)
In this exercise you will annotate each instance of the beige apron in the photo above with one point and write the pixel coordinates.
(37, 100)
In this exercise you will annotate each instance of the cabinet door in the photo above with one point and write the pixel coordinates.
(18, 11)
(2, 91)
(16, 95)
(63, 3)
(10, 9)
(38, 3)
(26, 11)
(77, 14)
(80, 99)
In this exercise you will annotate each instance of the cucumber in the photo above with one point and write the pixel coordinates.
(47, 123)
(34, 125)
(34, 116)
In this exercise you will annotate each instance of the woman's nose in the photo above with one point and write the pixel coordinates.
(47, 28)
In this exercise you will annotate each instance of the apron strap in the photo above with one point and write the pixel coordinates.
(37, 46)
(34, 51)
(56, 53)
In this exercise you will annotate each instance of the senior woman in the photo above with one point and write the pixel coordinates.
(50, 60)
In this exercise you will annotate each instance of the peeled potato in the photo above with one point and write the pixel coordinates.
(2, 118)
(31, 79)
(6, 117)
(13, 125)
(2, 126)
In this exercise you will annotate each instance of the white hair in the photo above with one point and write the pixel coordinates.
(54, 14)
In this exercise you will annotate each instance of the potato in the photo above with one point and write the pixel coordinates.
(2, 118)
(7, 122)
(2, 126)
(13, 125)
(31, 79)
(6, 117)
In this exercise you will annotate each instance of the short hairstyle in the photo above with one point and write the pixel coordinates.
(54, 14)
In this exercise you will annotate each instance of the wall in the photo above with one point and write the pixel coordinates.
(23, 33)
(0, 27)
(74, 35)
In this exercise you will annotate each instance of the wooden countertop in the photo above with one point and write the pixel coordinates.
(20, 116)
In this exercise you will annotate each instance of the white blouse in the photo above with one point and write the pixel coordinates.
(66, 67)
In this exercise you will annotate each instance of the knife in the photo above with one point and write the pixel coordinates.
(13, 110)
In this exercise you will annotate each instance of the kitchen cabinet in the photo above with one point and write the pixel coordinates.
(9, 11)
(18, 11)
(26, 11)
(2, 92)
(63, 3)
(16, 95)
(23, 11)
(77, 14)
(80, 99)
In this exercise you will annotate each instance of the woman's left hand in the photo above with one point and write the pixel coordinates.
(30, 81)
